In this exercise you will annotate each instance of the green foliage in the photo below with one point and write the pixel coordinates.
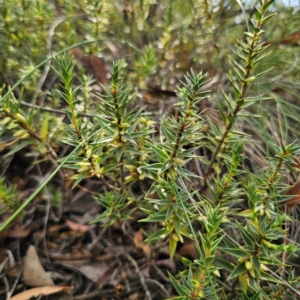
(193, 172)
(115, 205)
(9, 198)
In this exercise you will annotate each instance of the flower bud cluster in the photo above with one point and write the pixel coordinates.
(89, 163)
(12, 123)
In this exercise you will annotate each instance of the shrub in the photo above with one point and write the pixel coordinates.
(191, 168)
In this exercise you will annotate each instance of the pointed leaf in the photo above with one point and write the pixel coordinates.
(236, 252)
(155, 236)
(269, 278)
(268, 4)
(265, 19)
(156, 217)
(257, 13)
(172, 246)
(243, 279)
(119, 153)
(161, 155)
(240, 269)
(255, 297)
(263, 73)
(225, 264)
(256, 264)
(178, 287)
(248, 239)
(19, 147)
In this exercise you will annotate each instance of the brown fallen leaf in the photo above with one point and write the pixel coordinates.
(93, 270)
(134, 296)
(91, 64)
(45, 290)
(138, 241)
(77, 227)
(293, 38)
(293, 190)
(188, 250)
(34, 273)
(138, 238)
(106, 275)
(18, 232)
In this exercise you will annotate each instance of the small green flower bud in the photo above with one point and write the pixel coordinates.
(85, 166)
(88, 153)
(263, 267)
(20, 132)
(83, 169)
(249, 265)
(130, 167)
(20, 118)
(150, 123)
(250, 79)
(178, 161)
(251, 272)
(97, 170)
(116, 133)
(241, 259)
(125, 125)
(268, 213)
(5, 120)
(174, 237)
(12, 125)
(129, 178)
(142, 120)
(201, 294)
(217, 273)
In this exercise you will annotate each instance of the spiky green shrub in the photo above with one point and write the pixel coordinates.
(243, 236)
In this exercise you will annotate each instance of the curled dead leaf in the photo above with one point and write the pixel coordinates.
(91, 64)
(138, 241)
(77, 227)
(188, 249)
(34, 274)
(45, 290)
(138, 238)
(293, 190)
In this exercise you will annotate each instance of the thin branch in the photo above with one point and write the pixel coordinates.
(141, 276)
